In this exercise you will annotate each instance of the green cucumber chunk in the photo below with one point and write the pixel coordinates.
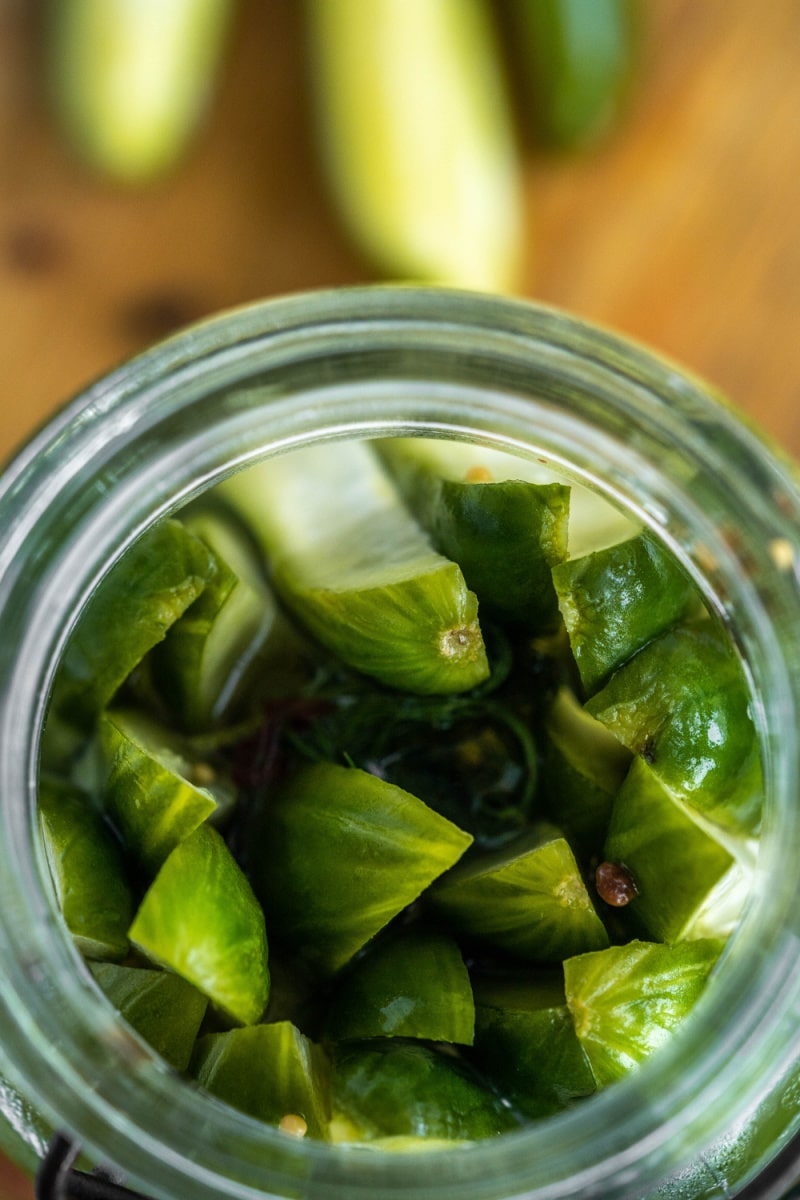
(216, 656)
(357, 570)
(87, 870)
(626, 1001)
(271, 1072)
(688, 885)
(163, 1008)
(200, 919)
(527, 898)
(414, 985)
(683, 704)
(526, 1045)
(150, 789)
(506, 536)
(615, 600)
(339, 853)
(582, 768)
(134, 605)
(397, 1089)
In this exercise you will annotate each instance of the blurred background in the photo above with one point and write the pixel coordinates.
(677, 224)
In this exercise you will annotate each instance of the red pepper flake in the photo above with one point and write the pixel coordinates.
(615, 884)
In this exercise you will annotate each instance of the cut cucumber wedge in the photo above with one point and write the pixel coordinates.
(683, 704)
(528, 898)
(627, 1001)
(688, 885)
(582, 768)
(616, 600)
(358, 571)
(221, 649)
(414, 985)
(271, 1072)
(397, 1089)
(147, 786)
(130, 612)
(506, 536)
(200, 919)
(338, 854)
(163, 1008)
(526, 1045)
(87, 870)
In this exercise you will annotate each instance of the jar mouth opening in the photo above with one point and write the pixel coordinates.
(668, 1097)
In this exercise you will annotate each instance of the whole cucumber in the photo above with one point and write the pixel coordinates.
(575, 60)
(131, 79)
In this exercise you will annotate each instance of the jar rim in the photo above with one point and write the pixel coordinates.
(58, 487)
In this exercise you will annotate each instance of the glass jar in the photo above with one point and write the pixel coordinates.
(705, 1113)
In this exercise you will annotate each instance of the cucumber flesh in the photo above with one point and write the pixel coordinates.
(200, 919)
(336, 853)
(527, 898)
(271, 1072)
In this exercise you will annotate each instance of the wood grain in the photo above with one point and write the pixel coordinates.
(682, 231)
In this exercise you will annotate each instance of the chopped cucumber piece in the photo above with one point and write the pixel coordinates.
(627, 1001)
(683, 704)
(506, 536)
(87, 870)
(200, 919)
(414, 985)
(526, 1045)
(615, 600)
(582, 768)
(358, 571)
(527, 898)
(143, 594)
(232, 636)
(153, 793)
(163, 1008)
(271, 1072)
(339, 853)
(688, 885)
(397, 1089)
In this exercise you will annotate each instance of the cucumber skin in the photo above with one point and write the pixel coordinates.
(506, 536)
(683, 704)
(616, 600)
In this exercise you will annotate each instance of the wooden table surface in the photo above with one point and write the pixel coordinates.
(682, 231)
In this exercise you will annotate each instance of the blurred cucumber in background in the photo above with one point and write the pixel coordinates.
(417, 135)
(575, 63)
(132, 80)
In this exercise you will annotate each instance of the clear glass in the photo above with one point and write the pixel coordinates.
(706, 1112)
